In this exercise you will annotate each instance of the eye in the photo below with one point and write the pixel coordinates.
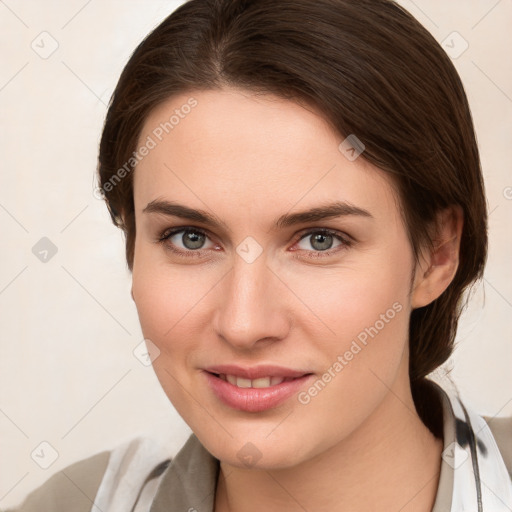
(187, 241)
(322, 240)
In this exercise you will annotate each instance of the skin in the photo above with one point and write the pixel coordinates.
(248, 160)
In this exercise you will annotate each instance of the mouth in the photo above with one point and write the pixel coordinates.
(255, 389)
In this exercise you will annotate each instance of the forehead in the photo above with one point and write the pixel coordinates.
(234, 149)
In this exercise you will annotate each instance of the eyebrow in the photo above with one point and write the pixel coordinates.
(329, 211)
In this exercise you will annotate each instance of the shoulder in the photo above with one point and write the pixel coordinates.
(71, 489)
(107, 479)
(501, 429)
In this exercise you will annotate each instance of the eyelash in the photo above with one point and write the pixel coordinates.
(345, 241)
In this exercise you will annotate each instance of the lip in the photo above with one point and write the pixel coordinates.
(255, 399)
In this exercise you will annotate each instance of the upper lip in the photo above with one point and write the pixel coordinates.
(255, 372)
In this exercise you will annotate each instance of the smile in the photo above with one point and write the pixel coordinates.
(262, 382)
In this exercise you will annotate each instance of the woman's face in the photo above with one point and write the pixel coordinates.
(255, 282)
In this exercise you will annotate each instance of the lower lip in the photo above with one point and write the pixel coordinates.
(254, 399)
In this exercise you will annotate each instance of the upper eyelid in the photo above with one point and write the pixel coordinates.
(167, 233)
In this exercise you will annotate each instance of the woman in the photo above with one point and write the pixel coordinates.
(300, 189)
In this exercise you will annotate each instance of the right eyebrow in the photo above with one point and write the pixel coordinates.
(173, 209)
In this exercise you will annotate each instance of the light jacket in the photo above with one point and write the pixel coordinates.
(138, 476)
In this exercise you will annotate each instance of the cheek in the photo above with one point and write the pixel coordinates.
(163, 294)
(361, 313)
(344, 300)
(166, 302)
(172, 303)
(361, 337)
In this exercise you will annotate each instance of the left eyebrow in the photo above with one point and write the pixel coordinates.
(329, 211)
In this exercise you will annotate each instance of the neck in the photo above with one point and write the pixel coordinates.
(392, 462)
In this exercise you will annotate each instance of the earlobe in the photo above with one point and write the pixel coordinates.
(438, 268)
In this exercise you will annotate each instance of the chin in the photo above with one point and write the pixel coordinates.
(254, 452)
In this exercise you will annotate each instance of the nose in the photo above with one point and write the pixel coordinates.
(251, 306)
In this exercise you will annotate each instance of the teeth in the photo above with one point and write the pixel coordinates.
(243, 383)
(262, 382)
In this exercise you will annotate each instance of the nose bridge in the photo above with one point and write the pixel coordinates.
(248, 309)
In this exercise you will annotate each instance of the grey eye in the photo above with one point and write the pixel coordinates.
(190, 239)
(319, 241)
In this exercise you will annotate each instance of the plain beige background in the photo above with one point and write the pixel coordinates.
(69, 377)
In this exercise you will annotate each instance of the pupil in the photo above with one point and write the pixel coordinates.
(322, 239)
(192, 240)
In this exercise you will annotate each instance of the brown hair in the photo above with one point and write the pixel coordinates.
(372, 70)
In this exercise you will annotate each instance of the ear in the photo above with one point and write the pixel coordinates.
(437, 266)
